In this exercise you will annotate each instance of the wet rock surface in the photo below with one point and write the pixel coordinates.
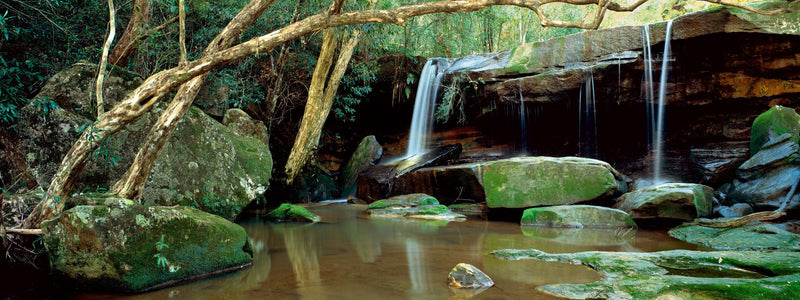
(756, 236)
(412, 206)
(576, 216)
(766, 178)
(676, 201)
(676, 273)
(466, 276)
(291, 213)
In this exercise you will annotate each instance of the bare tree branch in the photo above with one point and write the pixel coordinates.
(101, 70)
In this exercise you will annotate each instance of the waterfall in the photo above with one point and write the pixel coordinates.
(662, 99)
(424, 103)
(647, 85)
(587, 120)
(522, 121)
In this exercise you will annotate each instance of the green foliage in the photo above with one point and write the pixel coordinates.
(355, 87)
(161, 260)
(455, 92)
(44, 106)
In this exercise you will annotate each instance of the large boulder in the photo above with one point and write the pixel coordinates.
(540, 181)
(576, 216)
(675, 201)
(203, 164)
(125, 247)
(776, 121)
(368, 153)
(240, 121)
(764, 180)
(758, 236)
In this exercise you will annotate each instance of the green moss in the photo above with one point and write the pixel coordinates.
(292, 213)
(778, 120)
(433, 209)
(540, 181)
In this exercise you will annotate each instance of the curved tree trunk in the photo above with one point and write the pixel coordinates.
(133, 34)
(131, 184)
(160, 84)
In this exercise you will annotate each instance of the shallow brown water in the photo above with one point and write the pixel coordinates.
(349, 256)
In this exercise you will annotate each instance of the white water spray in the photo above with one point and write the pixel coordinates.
(662, 99)
(425, 100)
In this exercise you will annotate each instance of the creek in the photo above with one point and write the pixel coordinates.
(351, 256)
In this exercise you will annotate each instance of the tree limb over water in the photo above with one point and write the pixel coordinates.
(159, 85)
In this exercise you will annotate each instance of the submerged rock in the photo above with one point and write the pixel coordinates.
(126, 247)
(368, 153)
(538, 181)
(292, 213)
(466, 276)
(576, 216)
(677, 273)
(681, 201)
(595, 237)
(413, 206)
(758, 236)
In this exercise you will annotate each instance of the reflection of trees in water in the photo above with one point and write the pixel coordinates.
(302, 251)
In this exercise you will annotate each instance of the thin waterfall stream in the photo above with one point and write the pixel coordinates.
(662, 100)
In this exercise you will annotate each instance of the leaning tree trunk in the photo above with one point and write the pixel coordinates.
(160, 84)
(317, 109)
(132, 36)
(132, 183)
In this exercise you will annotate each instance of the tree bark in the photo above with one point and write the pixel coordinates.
(132, 182)
(101, 69)
(133, 34)
(160, 84)
(182, 37)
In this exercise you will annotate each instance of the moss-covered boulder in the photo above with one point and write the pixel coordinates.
(576, 216)
(757, 236)
(126, 247)
(368, 153)
(292, 213)
(412, 206)
(540, 181)
(774, 122)
(238, 120)
(676, 201)
(203, 164)
(676, 274)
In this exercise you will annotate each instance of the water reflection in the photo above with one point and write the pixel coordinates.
(350, 256)
(581, 236)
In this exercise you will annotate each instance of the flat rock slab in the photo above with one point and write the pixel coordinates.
(676, 274)
(576, 216)
(758, 236)
(682, 201)
(412, 206)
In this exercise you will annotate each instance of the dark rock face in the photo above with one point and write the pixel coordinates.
(378, 182)
(726, 66)
(764, 180)
(716, 163)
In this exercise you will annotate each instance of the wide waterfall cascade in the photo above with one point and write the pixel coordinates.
(662, 101)
(587, 119)
(424, 105)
